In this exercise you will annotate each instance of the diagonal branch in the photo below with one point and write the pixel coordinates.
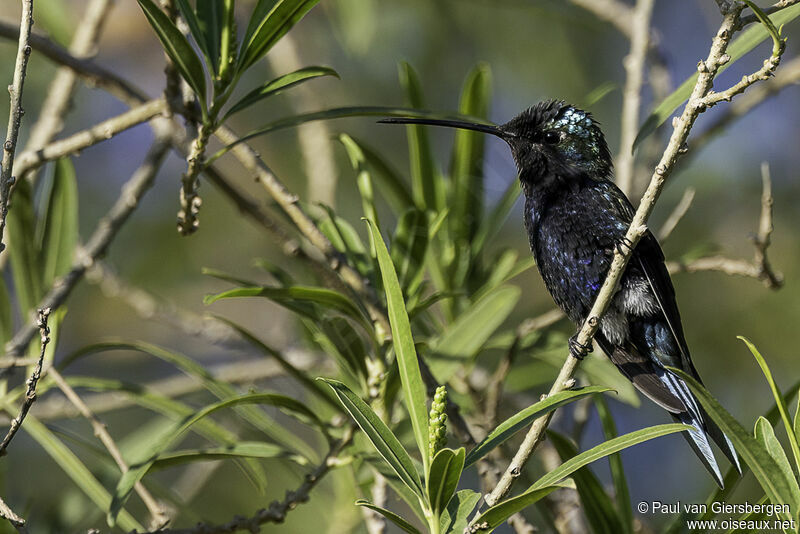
(15, 112)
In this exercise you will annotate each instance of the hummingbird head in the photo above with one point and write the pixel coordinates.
(551, 140)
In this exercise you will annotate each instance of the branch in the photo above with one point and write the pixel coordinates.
(15, 112)
(33, 159)
(632, 94)
(277, 510)
(104, 233)
(156, 511)
(677, 214)
(760, 267)
(16, 521)
(50, 121)
(30, 393)
(698, 102)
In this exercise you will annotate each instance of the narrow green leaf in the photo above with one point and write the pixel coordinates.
(398, 486)
(597, 505)
(769, 475)
(779, 402)
(26, 266)
(345, 239)
(343, 339)
(195, 29)
(455, 517)
(6, 317)
(500, 267)
(603, 450)
(423, 170)
(467, 160)
(391, 184)
(270, 21)
(60, 224)
(74, 469)
(403, 342)
(523, 418)
(404, 525)
(278, 85)
(409, 248)
(445, 472)
(385, 442)
(363, 178)
(340, 113)
(777, 42)
(796, 424)
(243, 449)
(499, 513)
(623, 496)
(765, 435)
(464, 337)
(493, 223)
(151, 453)
(210, 19)
(177, 48)
(747, 40)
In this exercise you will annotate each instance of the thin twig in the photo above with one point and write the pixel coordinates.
(30, 392)
(159, 518)
(634, 64)
(539, 322)
(102, 131)
(698, 102)
(101, 238)
(277, 510)
(59, 95)
(15, 112)
(16, 521)
(677, 214)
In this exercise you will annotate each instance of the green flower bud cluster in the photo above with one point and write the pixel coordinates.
(437, 428)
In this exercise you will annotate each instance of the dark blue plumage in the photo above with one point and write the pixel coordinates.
(575, 218)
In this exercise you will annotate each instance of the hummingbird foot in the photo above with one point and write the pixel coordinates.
(579, 350)
(623, 244)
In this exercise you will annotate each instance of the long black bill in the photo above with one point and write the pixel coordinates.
(464, 125)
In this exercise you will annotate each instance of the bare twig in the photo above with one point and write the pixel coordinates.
(104, 233)
(189, 199)
(159, 518)
(51, 117)
(760, 267)
(102, 131)
(277, 510)
(632, 94)
(539, 322)
(564, 504)
(15, 112)
(699, 101)
(16, 521)
(677, 214)
(30, 392)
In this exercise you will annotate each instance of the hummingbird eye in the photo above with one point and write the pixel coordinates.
(550, 137)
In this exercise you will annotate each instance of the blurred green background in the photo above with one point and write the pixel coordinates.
(536, 49)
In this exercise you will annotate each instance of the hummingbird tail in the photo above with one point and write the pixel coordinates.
(702, 427)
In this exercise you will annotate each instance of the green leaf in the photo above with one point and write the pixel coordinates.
(523, 418)
(363, 178)
(338, 335)
(385, 442)
(747, 40)
(150, 454)
(21, 247)
(604, 449)
(466, 168)
(390, 182)
(404, 525)
(769, 475)
(339, 113)
(278, 85)
(403, 343)
(295, 296)
(455, 517)
(766, 436)
(499, 513)
(597, 505)
(623, 496)
(347, 241)
(6, 317)
(243, 449)
(409, 248)
(445, 472)
(177, 48)
(211, 19)
(75, 469)
(195, 29)
(779, 402)
(270, 21)
(424, 175)
(796, 424)
(60, 225)
(491, 225)
(464, 337)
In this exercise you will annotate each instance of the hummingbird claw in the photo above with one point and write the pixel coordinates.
(577, 349)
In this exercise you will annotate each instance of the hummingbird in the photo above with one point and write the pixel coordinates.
(575, 218)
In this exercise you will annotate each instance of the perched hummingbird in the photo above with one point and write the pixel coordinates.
(575, 218)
